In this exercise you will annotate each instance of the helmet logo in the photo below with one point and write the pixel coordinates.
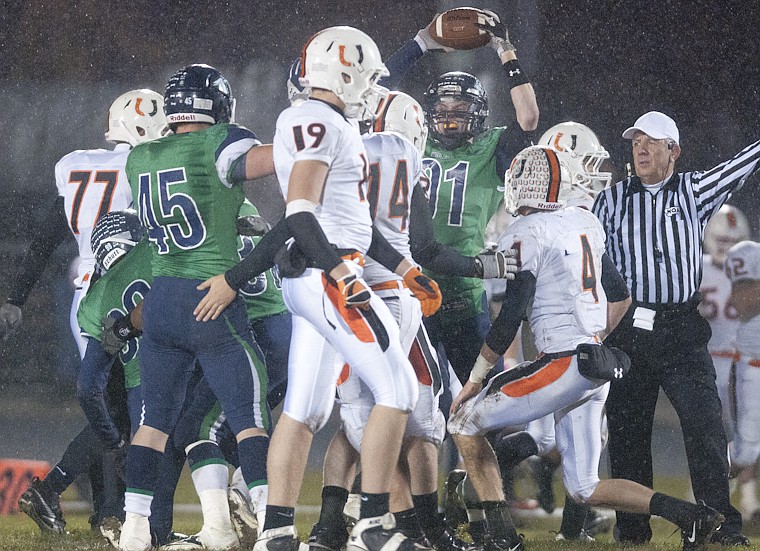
(342, 55)
(731, 219)
(140, 111)
(558, 137)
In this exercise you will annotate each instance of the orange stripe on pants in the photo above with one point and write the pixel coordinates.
(544, 376)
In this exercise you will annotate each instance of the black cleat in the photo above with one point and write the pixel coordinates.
(707, 521)
(43, 505)
(504, 545)
(323, 538)
(278, 539)
(729, 539)
(447, 541)
(380, 533)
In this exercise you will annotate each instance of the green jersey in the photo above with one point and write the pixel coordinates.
(465, 192)
(117, 292)
(187, 195)
(262, 295)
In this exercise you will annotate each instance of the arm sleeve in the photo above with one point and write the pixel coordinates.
(511, 142)
(426, 250)
(91, 386)
(612, 282)
(261, 258)
(400, 62)
(383, 252)
(309, 237)
(504, 328)
(46, 237)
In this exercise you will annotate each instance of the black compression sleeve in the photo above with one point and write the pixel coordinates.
(312, 240)
(261, 257)
(426, 250)
(513, 140)
(612, 282)
(400, 62)
(383, 252)
(516, 299)
(46, 237)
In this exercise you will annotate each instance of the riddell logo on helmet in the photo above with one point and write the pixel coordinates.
(181, 117)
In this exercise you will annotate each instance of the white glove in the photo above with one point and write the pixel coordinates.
(427, 43)
(10, 319)
(497, 264)
(497, 30)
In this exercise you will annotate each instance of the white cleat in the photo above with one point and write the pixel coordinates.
(243, 518)
(379, 534)
(278, 539)
(135, 534)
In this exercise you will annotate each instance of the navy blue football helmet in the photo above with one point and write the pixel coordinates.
(456, 107)
(296, 92)
(114, 235)
(198, 93)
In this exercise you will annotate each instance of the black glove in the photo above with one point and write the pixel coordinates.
(115, 333)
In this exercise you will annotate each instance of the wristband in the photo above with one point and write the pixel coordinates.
(515, 74)
(480, 370)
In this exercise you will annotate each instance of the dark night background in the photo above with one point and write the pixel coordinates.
(602, 63)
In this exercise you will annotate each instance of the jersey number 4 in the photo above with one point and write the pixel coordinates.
(398, 203)
(189, 231)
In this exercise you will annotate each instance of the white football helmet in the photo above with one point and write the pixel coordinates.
(401, 113)
(539, 178)
(726, 228)
(136, 116)
(347, 62)
(585, 156)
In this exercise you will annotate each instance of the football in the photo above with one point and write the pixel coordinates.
(456, 29)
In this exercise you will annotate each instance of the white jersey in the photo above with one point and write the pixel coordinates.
(716, 308)
(563, 249)
(316, 131)
(743, 263)
(92, 182)
(395, 167)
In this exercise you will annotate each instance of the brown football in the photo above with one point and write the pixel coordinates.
(456, 29)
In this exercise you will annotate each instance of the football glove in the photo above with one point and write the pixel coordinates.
(355, 292)
(427, 43)
(10, 319)
(115, 333)
(116, 459)
(496, 264)
(497, 30)
(426, 290)
(253, 226)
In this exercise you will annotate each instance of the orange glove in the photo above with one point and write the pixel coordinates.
(425, 289)
(354, 291)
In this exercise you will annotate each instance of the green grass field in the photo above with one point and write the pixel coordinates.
(19, 533)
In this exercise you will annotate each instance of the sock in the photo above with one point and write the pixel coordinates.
(277, 517)
(573, 517)
(207, 466)
(374, 505)
(82, 451)
(478, 531)
(748, 496)
(333, 500)
(238, 481)
(407, 522)
(677, 511)
(253, 460)
(426, 506)
(499, 522)
(142, 474)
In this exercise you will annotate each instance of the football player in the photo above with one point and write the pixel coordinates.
(90, 183)
(465, 162)
(728, 227)
(189, 191)
(566, 277)
(399, 210)
(743, 269)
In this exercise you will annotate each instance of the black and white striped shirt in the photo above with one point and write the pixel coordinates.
(655, 240)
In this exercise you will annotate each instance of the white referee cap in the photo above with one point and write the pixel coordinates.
(655, 125)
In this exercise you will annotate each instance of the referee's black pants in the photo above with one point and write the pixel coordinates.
(673, 356)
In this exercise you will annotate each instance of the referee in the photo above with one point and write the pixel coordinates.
(655, 224)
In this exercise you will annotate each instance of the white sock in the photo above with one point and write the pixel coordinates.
(213, 476)
(748, 496)
(238, 481)
(139, 504)
(258, 495)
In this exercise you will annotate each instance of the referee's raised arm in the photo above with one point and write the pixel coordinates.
(655, 223)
